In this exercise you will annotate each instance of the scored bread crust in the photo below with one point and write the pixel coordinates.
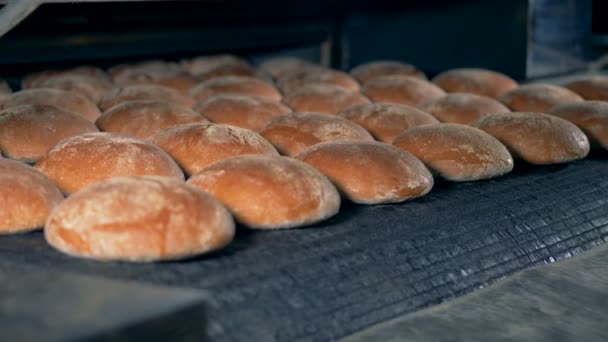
(195, 146)
(270, 192)
(139, 219)
(537, 138)
(387, 120)
(81, 160)
(457, 152)
(292, 133)
(370, 172)
(26, 197)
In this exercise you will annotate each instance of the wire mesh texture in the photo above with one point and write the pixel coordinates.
(372, 263)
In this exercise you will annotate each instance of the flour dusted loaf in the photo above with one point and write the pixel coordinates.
(139, 219)
(81, 160)
(292, 82)
(407, 90)
(386, 120)
(280, 66)
(324, 98)
(475, 81)
(28, 131)
(463, 108)
(589, 116)
(243, 111)
(26, 197)
(368, 71)
(195, 146)
(370, 172)
(537, 97)
(594, 87)
(143, 92)
(240, 85)
(144, 118)
(457, 152)
(294, 132)
(536, 137)
(270, 192)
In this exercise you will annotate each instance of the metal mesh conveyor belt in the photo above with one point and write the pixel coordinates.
(372, 263)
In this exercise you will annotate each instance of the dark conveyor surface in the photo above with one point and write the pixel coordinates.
(372, 263)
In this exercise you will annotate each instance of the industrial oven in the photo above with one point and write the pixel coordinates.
(366, 265)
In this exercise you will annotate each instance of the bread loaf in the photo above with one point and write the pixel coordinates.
(270, 192)
(475, 81)
(195, 146)
(457, 152)
(386, 120)
(26, 197)
(367, 71)
(463, 108)
(239, 85)
(139, 219)
(294, 81)
(370, 172)
(537, 97)
(591, 87)
(537, 138)
(590, 116)
(407, 90)
(79, 161)
(144, 92)
(280, 66)
(294, 132)
(323, 98)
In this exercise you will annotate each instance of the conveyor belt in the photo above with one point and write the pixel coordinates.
(372, 263)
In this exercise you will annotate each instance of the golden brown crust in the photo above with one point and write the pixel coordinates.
(463, 108)
(139, 219)
(370, 172)
(367, 71)
(407, 90)
(270, 192)
(142, 119)
(294, 81)
(589, 116)
(27, 132)
(144, 92)
(33, 80)
(90, 87)
(84, 159)
(323, 98)
(294, 132)
(202, 64)
(280, 66)
(537, 138)
(155, 72)
(68, 101)
(537, 97)
(475, 81)
(247, 112)
(593, 87)
(26, 197)
(387, 120)
(241, 85)
(195, 146)
(457, 152)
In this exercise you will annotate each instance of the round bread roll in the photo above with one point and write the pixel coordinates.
(385, 121)
(4, 88)
(369, 172)
(589, 116)
(368, 71)
(247, 112)
(79, 161)
(323, 98)
(294, 132)
(33, 80)
(155, 72)
(202, 64)
(68, 101)
(26, 197)
(463, 108)
(280, 66)
(475, 81)
(270, 192)
(591, 87)
(293, 82)
(27, 132)
(239, 85)
(144, 92)
(153, 67)
(407, 90)
(195, 146)
(144, 118)
(139, 219)
(92, 88)
(227, 70)
(537, 97)
(457, 152)
(537, 138)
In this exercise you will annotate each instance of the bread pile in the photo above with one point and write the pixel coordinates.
(160, 160)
